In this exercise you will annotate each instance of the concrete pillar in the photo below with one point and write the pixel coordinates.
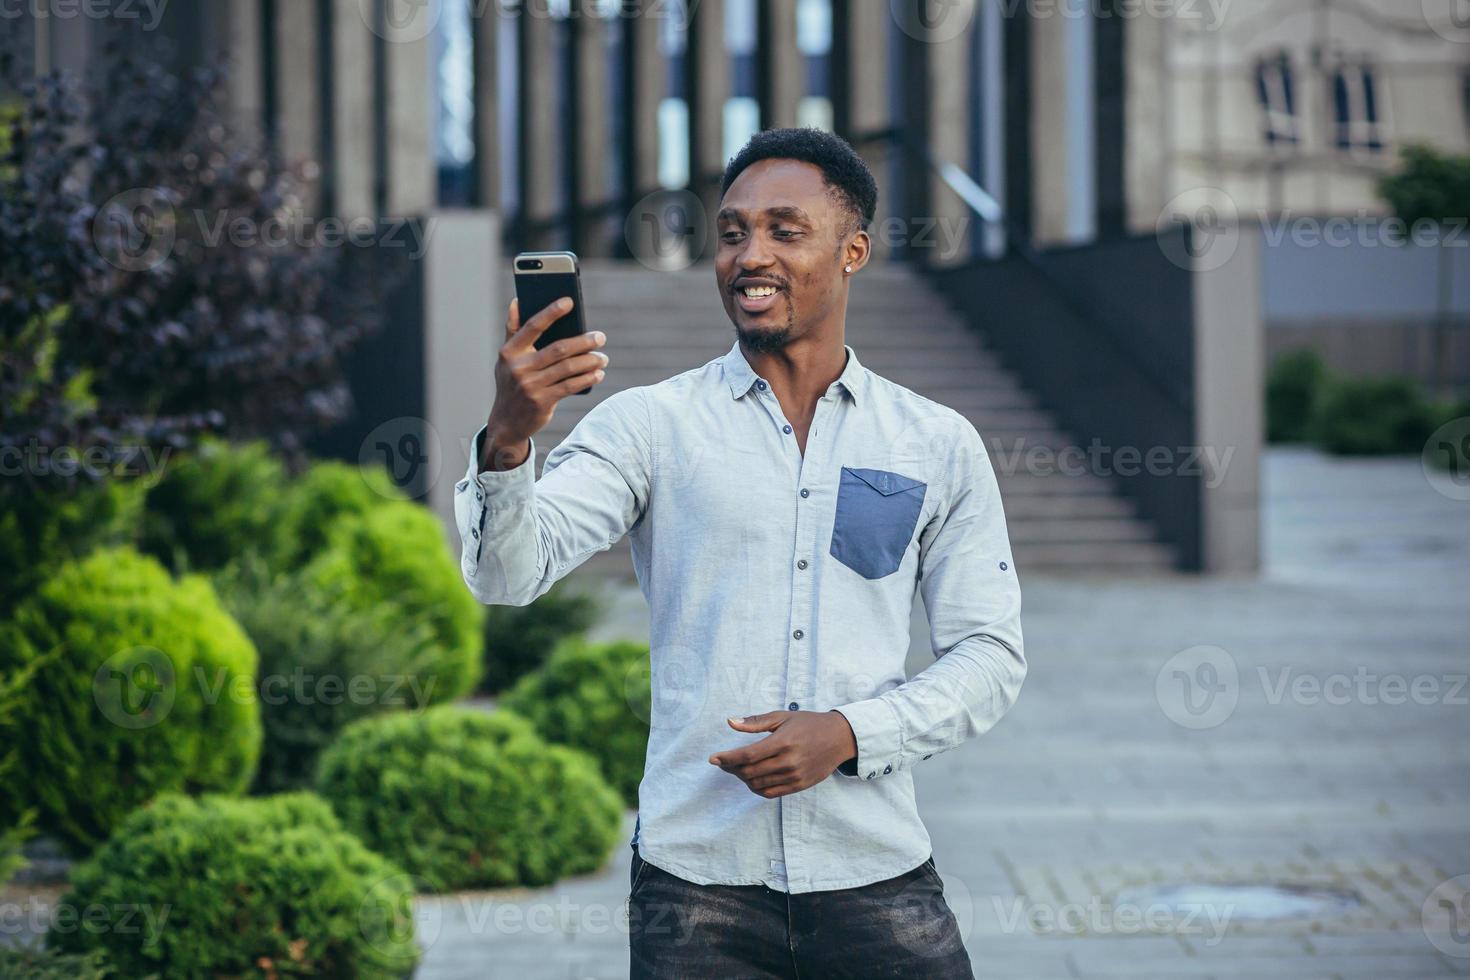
(487, 26)
(867, 55)
(950, 118)
(353, 122)
(298, 101)
(242, 40)
(540, 141)
(1145, 122)
(1062, 152)
(708, 68)
(1229, 370)
(463, 324)
(644, 73)
(591, 129)
(412, 181)
(781, 83)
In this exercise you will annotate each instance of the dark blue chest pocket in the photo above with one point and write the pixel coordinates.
(876, 514)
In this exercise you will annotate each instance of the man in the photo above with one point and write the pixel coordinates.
(784, 503)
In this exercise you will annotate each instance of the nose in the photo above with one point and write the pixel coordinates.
(754, 254)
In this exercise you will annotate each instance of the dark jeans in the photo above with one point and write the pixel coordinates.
(900, 927)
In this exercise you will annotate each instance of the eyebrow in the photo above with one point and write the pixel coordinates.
(783, 211)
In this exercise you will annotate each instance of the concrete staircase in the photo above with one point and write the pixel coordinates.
(660, 324)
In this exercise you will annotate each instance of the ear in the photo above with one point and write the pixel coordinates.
(857, 252)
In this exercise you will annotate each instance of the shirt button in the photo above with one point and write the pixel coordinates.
(785, 428)
(792, 706)
(887, 770)
(801, 563)
(805, 492)
(872, 774)
(761, 385)
(798, 634)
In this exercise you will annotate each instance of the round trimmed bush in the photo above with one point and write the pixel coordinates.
(316, 500)
(519, 639)
(140, 684)
(265, 887)
(1293, 388)
(41, 529)
(593, 697)
(1369, 416)
(215, 505)
(395, 557)
(323, 663)
(463, 799)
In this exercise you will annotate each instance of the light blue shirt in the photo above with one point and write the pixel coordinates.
(776, 581)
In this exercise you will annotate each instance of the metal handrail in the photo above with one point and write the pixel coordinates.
(985, 205)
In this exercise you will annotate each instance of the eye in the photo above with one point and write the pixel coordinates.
(731, 236)
(786, 233)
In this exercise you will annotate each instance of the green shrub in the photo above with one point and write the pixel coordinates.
(593, 697)
(395, 557)
(41, 528)
(140, 684)
(34, 963)
(323, 663)
(462, 799)
(1293, 388)
(215, 505)
(1358, 416)
(518, 639)
(316, 500)
(265, 887)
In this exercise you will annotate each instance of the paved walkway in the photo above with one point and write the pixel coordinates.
(1309, 729)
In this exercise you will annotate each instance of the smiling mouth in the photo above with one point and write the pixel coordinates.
(756, 299)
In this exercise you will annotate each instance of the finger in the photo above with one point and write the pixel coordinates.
(570, 347)
(576, 383)
(759, 723)
(513, 319)
(571, 367)
(767, 772)
(780, 789)
(747, 754)
(526, 336)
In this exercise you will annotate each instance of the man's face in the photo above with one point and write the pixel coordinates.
(781, 252)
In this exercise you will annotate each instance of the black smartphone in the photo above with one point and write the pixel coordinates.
(542, 278)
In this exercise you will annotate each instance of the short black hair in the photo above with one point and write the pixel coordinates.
(846, 173)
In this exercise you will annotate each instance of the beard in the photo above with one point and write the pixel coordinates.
(768, 340)
(763, 341)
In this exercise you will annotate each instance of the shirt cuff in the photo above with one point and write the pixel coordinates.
(481, 490)
(875, 727)
(491, 479)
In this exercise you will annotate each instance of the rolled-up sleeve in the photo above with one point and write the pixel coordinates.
(967, 578)
(519, 535)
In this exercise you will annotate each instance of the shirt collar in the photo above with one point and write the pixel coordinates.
(739, 375)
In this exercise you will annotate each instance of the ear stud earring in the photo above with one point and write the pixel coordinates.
(849, 268)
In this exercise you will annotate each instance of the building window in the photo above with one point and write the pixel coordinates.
(1355, 107)
(1276, 93)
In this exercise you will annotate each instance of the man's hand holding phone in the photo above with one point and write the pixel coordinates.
(530, 382)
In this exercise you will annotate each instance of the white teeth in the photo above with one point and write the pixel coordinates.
(757, 292)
